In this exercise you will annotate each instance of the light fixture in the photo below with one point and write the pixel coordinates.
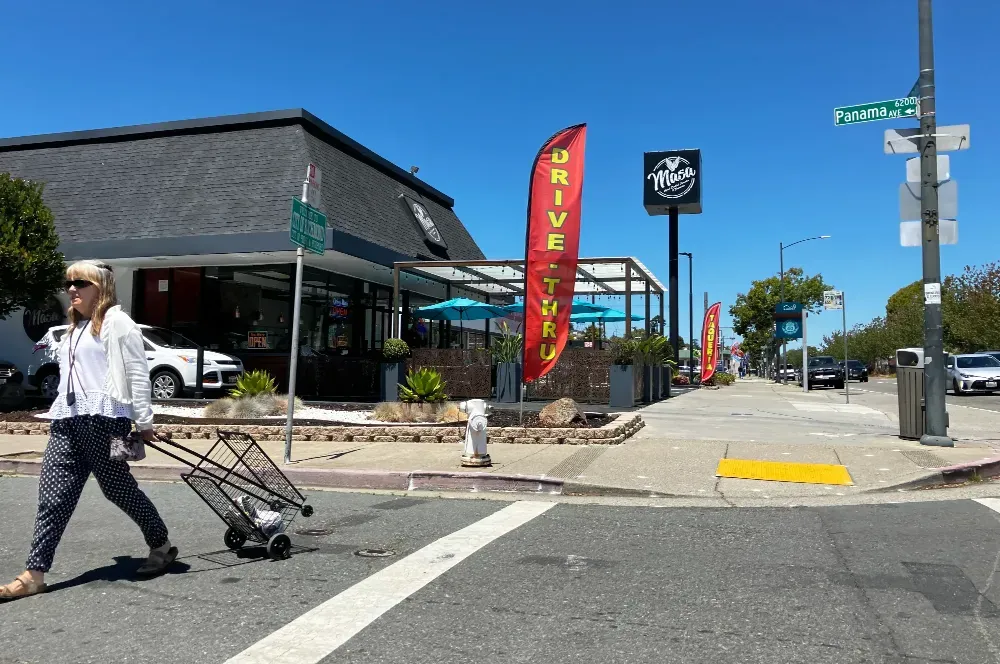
(236, 314)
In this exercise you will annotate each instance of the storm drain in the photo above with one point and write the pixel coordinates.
(314, 532)
(375, 553)
(925, 459)
(574, 465)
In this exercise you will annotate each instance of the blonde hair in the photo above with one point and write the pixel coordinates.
(98, 273)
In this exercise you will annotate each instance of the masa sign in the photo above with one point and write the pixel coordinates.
(876, 110)
(672, 179)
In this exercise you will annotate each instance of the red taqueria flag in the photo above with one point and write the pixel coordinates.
(552, 248)
(710, 341)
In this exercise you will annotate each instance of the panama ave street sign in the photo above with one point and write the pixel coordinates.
(877, 110)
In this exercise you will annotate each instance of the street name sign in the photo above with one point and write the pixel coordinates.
(308, 227)
(891, 109)
(907, 141)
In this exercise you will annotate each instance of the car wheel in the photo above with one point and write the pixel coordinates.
(957, 389)
(49, 386)
(166, 385)
(838, 386)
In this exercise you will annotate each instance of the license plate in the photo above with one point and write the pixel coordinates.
(2, 381)
(231, 379)
(991, 383)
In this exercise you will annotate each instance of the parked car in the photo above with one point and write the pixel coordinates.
(171, 358)
(788, 372)
(856, 371)
(10, 373)
(824, 370)
(976, 372)
(11, 388)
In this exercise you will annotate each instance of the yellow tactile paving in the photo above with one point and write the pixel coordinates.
(780, 471)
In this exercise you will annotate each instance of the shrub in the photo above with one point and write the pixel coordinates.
(219, 408)
(624, 352)
(395, 411)
(507, 348)
(253, 383)
(423, 386)
(248, 409)
(395, 350)
(724, 378)
(680, 379)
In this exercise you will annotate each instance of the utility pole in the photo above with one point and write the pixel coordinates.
(934, 371)
(781, 298)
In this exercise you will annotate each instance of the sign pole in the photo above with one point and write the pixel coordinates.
(293, 364)
(847, 368)
(674, 223)
(934, 372)
(805, 353)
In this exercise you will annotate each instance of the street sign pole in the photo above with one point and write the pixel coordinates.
(847, 368)
(805, 353)
(934, 373)
(293, 364)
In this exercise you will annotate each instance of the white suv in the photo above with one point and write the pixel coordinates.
(171, 357)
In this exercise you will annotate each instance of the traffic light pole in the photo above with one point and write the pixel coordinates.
(934, 370)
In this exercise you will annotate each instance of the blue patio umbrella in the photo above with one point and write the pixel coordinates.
(606, 316)
(579, 307)
(460, 309)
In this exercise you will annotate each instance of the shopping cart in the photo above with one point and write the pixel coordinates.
(245, 488)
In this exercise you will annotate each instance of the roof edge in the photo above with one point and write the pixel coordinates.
(224, 123)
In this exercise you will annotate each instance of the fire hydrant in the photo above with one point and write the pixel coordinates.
(474, 452)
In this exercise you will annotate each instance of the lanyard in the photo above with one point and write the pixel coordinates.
(70, 392)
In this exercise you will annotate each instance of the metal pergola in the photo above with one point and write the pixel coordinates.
(501, 281)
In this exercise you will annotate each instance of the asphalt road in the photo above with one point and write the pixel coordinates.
(984, 401)
(891, 583)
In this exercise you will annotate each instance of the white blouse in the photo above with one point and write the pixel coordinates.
(90, 373)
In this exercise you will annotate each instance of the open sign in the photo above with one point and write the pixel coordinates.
(257, 340)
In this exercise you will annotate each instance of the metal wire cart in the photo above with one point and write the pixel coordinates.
(245, 488)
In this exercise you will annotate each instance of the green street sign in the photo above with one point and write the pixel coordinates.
(892, 109)
(308, 228)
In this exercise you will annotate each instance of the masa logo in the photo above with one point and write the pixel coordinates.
(37, 320)
(790, 326)
(425, 221)
(673, 177)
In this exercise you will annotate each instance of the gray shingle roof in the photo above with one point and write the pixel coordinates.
(222, 176)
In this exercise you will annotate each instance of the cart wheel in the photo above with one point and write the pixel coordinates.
(235, 539)
(278, 546)
(307, 511)
(277, 505)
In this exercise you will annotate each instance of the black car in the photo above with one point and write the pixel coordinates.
(856, 371)
(825, 370)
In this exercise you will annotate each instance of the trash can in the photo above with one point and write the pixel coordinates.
(910, 388)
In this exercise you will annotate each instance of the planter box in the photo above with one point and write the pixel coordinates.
(622, 380)
(657, 383)
(666, 380)
(648, 385)
(390, 376)
(508, 382)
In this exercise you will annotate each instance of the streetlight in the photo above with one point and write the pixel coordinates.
(690, 311)
(781, 256)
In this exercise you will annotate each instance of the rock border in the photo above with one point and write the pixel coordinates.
(613, 433)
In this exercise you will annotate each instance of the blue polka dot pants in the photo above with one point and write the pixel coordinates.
(79, 446)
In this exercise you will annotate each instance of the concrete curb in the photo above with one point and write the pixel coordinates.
(343, 478)
(957, 474)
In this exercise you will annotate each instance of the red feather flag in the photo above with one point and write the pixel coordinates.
(552, 248)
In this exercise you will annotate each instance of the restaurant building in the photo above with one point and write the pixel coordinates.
(194, 215)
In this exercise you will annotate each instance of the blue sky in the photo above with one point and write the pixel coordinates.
(468, 91)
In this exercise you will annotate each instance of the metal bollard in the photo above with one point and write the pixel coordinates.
(474, 450)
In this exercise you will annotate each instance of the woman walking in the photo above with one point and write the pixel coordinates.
(103, 388)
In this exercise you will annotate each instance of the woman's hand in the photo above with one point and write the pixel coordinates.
(148, 435)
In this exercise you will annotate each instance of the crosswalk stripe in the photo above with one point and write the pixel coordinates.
(317, 633)
(992, 503)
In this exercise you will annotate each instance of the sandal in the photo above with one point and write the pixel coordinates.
(20, 587)
(157, 562)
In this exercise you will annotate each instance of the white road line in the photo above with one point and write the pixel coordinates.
(992, 503)
(317, 633)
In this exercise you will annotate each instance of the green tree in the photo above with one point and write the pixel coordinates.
(32, 264)
(904, 315)
(753, 311)
(971, 309)
(795, 356)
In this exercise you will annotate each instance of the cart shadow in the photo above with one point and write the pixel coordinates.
(244, 556)
(328, 457)
(125, 568)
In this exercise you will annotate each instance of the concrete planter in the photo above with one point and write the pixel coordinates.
(648, 395)
(657, 383)
(508, 382)
(666, 380)
(622, 383)
(391, 375)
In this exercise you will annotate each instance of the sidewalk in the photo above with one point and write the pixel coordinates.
(676, 454)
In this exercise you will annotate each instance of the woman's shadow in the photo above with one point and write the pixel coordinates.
(125, 568)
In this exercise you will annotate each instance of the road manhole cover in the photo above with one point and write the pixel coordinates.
(314, 532)
(375, 553)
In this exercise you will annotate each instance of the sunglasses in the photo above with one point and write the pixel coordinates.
(78, 284)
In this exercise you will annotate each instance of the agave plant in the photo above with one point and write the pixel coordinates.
(423, 386)
(507, 348)
(253, 383)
